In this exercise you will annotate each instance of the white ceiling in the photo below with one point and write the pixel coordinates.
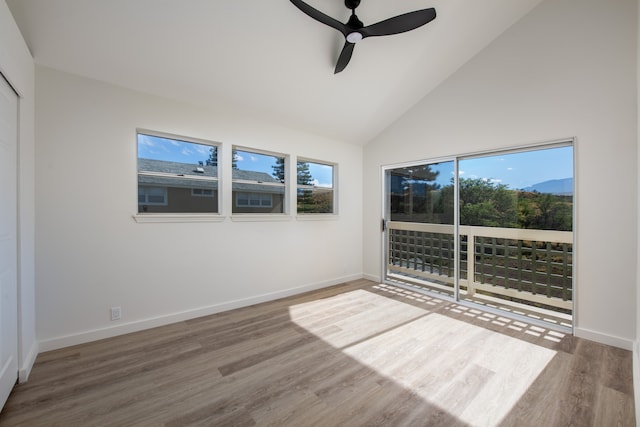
(265, 58)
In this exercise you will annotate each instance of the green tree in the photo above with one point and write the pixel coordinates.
(553, 212)
(234, 159)
(445, 204)
(306, 202)
(278, 169)
(213, 157)
(486, 203)
(414, 194)
(546, 206)
(526, 213)
(304, 175)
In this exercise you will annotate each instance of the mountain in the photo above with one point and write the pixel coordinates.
(560, 187)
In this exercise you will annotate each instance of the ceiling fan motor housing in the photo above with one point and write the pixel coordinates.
(351, 4)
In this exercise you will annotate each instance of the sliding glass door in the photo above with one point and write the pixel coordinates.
(500, 235)
(419, 224)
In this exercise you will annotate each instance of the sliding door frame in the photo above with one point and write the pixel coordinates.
(385, 214)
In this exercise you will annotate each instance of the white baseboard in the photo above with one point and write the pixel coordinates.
(372, 277)
(611, 340)
(138, 325)
(27, 363)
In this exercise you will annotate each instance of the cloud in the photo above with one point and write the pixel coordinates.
(492, 180)
(201, 149)
(145, 140)
(317, 183)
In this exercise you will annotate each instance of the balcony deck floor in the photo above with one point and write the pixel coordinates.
(551, 317)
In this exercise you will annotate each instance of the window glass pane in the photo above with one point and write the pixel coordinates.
(258, 182)
(519, 252)
(532, 189)
(422, 193)
(174, 174)
(315, 187)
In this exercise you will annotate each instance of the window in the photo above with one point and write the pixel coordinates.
(259, 182)
(156, 196)
(201, 192)
(315, 187)
(254, 199)
(176, 174)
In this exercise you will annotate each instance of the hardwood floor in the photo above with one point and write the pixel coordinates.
(356, 354)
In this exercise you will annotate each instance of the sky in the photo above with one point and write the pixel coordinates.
(156, 148)
(516, 170)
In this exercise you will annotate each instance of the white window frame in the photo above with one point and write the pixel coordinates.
(153, 217)
(334, 188)
(264, 216)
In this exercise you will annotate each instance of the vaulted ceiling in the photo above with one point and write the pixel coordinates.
(265, 59)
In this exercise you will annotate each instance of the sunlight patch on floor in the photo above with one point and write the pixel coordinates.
(353, 316)
(475, 374)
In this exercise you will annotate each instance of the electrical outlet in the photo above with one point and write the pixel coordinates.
(116, 313)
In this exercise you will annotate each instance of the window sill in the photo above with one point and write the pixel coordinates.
(260, 218)
(165, 218)
(317, 217)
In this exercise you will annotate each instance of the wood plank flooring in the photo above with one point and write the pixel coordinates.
(358, 354)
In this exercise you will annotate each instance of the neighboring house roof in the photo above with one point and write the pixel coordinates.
(253, 176)
(177, 168)
(166, 181)
(175, 174)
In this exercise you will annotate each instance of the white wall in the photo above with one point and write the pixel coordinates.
(92, 255)
(566, 69)
(17, 66)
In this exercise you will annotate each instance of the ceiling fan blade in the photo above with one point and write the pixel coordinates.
(399, 24)
(320, 17)
(345, 57)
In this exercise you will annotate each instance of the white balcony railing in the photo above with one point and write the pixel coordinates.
(533, 267)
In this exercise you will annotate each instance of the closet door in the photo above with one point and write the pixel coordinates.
(8, 239)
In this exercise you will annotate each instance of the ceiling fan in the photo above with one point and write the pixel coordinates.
(354, 30)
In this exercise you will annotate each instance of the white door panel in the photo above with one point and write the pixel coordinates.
(8, 240)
